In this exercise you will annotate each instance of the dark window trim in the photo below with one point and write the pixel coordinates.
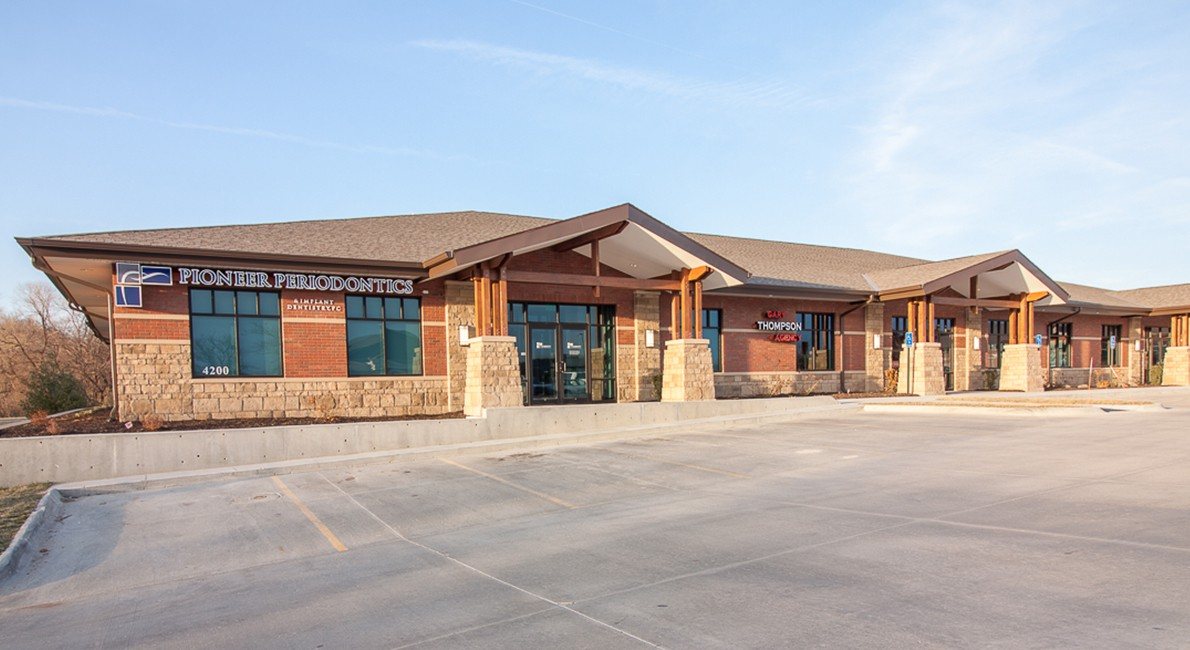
(829, 330)
(384, 340)
(233, 316)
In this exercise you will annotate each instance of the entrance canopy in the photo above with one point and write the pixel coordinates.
(624, 238)
(987, 280)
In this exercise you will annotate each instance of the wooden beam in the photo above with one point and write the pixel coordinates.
(699, 273)
(536, 277)
(990, 303)
(973, 293)
(485, 287)
(595, 263)
(610, 230)
(698, 309)
(1037, 295)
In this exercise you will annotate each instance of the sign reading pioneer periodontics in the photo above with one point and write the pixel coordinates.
(784, 331)
(304, 281)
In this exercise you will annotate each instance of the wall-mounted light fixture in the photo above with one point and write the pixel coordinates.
(465, 334)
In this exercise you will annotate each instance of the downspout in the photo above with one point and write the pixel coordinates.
(1050, 368)
(842, 338)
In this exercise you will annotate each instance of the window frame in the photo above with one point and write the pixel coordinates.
(717, 344)
(813, 334)
(235, 317)
(383, 320)
(1054, 333)
(997, 338)
(1109, 358)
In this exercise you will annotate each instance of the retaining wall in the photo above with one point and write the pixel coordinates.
(65, 458)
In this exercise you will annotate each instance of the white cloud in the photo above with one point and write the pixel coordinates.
(107, 112)
(776, 94)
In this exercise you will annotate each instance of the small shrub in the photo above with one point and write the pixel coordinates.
(890, 380)
(53, 390)
(1155, 374)
(53, 427)
(40, 417)
(151, 423)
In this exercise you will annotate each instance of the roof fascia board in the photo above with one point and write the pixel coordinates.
(53, 248)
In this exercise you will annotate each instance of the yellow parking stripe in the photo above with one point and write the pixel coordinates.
(326, 532)
(551, 499)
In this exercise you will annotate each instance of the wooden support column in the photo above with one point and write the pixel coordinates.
(1032, 329)
(698, 309)
(673, 315)
(911, 317)
(685, 290)
(932, 330)
(485, 290)
(923, 323)
(477, 287)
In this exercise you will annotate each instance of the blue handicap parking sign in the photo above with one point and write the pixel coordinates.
(908, 339)
(1037, 339)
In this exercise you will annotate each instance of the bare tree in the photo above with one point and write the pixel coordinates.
(43, 331)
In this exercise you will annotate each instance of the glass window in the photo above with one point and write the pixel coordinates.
(572, 314)
(943, 326)
(997, 339)
(543, 313)
(1110, 346)
(900, 325)
(713, 332)
(1059, 344)
(383, 336)
(235, 333)
(816, 347)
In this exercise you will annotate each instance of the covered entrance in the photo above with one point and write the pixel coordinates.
(566, 352)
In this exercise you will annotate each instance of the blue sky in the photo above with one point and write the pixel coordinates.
(923, 128)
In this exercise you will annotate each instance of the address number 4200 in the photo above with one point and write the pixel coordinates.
(216, 371)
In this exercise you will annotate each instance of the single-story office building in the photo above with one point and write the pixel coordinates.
(462, 311)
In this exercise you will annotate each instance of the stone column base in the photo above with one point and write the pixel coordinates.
(493, 375)
(687, 374)
(1175, 370)
(1020, 368)
(921, 370)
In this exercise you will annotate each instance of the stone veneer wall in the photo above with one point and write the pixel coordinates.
(688, 375)
(873, 356)
(493, 375)
(1114, 377)
(638, 366)
(1176, 369)
(923, 374)
(775, 384)
(460, 310)
(155, 382)
(1020, 368)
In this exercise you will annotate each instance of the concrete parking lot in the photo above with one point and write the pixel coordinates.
(858, 530)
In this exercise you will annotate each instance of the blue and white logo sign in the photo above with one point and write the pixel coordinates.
(1037, 340)
(130, 277)
(908, 339)
(127, 296)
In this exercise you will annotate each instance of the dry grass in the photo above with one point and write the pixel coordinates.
(15, 505)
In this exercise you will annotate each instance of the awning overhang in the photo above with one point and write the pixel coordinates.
(630, 241)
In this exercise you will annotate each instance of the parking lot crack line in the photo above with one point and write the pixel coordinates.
(552, 499)
(446, 556)
(474, 628)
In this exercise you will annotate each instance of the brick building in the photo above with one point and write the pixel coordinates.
(439, 313)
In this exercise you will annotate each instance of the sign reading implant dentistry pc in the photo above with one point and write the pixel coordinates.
(301, 281)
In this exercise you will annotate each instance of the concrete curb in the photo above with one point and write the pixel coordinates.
(941, 407)
(558, 440)
(47, 509)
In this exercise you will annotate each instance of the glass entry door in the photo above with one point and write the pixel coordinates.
(574, 364)
(543, 364)
(558, 364)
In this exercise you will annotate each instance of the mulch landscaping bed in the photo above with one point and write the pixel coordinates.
(99, 423)
(863, 395)
(15, 505)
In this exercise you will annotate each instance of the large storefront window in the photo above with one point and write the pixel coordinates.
(1110, 346)
(235, 333)
(997, 339)
(712, 331)
(1060, 335)
(567, 352)
(383, 336)
(815, 350)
